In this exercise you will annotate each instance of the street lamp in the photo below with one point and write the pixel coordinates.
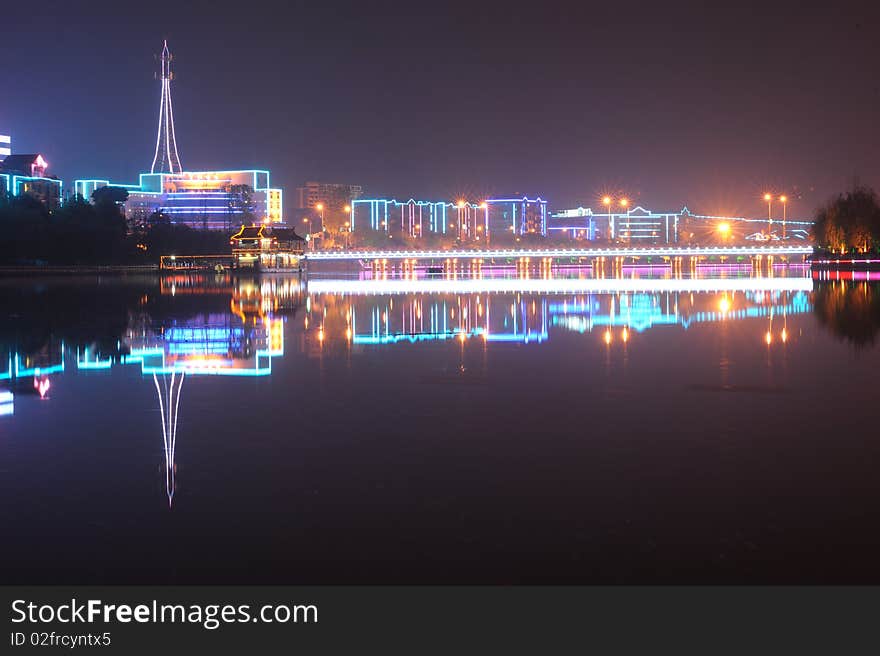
(783, 200)
(320, 208)
(769, 198)
(724, 230)
(606, 201)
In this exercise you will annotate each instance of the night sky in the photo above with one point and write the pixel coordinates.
(669, 103)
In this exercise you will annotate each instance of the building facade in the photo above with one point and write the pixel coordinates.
(5, 146)
(635, 226)
(204, 200)
(22, 175)
(519, 216)
(333, 196)
(267, 248)
(462, 219)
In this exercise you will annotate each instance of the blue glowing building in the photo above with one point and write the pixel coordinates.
(22, 175)
(207, 200)
(465, 220)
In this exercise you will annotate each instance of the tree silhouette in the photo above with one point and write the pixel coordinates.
(850, 222)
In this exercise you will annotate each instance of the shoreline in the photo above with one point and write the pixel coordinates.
(77, 269)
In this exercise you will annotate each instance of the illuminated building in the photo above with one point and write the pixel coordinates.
(206, 200)
(519, 216)
(637, 226)
(26, 175)
(5, 146)
(411, 217)
(85, 188)
(267, 248)
(643, 227)
(465, 220)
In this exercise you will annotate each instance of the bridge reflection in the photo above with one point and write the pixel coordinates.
(495, 311)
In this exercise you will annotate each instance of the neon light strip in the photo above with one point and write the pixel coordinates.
(660, 251)
(557, 286)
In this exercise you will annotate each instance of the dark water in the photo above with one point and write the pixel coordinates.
(497, 430)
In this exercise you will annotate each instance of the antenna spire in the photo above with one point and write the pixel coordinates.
(166, 159)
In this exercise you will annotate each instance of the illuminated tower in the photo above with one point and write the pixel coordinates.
(166, 159)
(169, 401)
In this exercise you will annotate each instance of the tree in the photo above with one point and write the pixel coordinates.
(242, 203)
(109, 195)
(849, 222)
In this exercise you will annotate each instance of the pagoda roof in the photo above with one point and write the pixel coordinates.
(285, 234)
(249, 232)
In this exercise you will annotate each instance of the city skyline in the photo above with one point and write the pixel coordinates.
(323, 111)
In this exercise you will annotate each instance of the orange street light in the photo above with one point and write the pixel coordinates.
(346, 209)
(320, 208)
(606, 201)
(783, 200)
(769, 198)
(460, 204)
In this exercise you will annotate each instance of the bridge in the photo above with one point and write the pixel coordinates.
(574, 253)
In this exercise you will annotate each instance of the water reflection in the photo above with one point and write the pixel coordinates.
(178, 329)
(174, 327)
(849, 309)
(503, 310)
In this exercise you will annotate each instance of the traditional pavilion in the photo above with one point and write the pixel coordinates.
(267, 248)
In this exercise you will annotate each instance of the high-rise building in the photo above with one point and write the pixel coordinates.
(333, 196)
(5, 146)
(328, 203)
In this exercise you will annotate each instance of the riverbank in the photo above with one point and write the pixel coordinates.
(75, 269)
